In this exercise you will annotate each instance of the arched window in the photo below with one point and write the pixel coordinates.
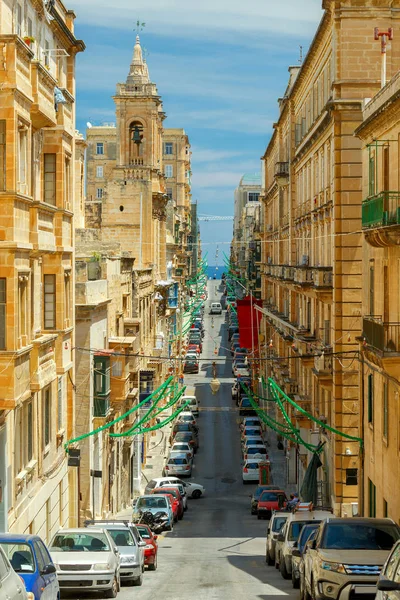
(136, 141)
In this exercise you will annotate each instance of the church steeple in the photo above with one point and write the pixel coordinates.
(138, 72)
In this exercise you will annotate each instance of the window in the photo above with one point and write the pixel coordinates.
(351, 476)
(169, 148)
(67, 293)
(169, 193)
(47, 53)
(22, 306)
(371, 499)
(50, 179)
(49, 302)
(168, 171)
(29, 27)
(46, 416)
(99, 148)
(22, 159)
(371, 178)
(60, 403)
(327, 333)
(385, 410)
(385, 509)
(386, 184)
(29, 431)
(2, 155)
(99, 171)
(371, 289)
(3, 313)
(67, 183)
(370, 391)
(99, 193)
(40, 559)
(253, 196)
(19, 20)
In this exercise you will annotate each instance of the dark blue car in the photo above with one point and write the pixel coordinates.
(31, 560)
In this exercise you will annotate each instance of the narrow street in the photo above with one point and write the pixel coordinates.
(218, 550)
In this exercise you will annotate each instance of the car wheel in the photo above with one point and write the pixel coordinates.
(283, 569)
(112, 593)
(295, 581)
(196, 494)
(138, 580)
(170, 527)
(153, 566)
(269, 560)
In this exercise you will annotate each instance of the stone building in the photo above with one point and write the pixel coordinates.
(313, 246)
(380, 340)
(37, 174)
(177, 171)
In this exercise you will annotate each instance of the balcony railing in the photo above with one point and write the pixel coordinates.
(381, 210)
(323, 364)
(382, 336)
(303, 276)
(282, 169)
(323, 277)
(288, 273)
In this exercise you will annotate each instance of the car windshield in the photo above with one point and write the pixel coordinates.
(295, 529)
(173, 493)
(20, 557)
(269, 497)
(246, 402)
(259, 450)
(180, 446)
(179, 460)
(151, 502)
(360, 536)
(122, 537)
(80, 542)
(305, 535)
(258, 492)
(181, 435)
(144, 532)
(278, 523)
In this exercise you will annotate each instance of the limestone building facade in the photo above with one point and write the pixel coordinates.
(312, 241)
(37, 174)
(380, 341)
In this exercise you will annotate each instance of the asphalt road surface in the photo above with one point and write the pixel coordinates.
(218, 550)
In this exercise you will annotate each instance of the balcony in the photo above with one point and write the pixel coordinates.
(303, 276)
(91, 293)
(382, 337)
(281, 173)
(288, 273)
(381, 219)
(323, 277)
(43, 112)
(323, 367)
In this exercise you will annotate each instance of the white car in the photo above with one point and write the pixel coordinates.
(251, 431)
(187, 417)
(86, 559)
(183, 448)
(253, 440)
(193, 490)
(250, 471)
(250, 422)
(179, 464)
(193, 404)
(11, 585)
(254, 451)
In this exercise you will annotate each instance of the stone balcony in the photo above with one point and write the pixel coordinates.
(91, 293)
(322, 277)
(323, 367)
(303, 276)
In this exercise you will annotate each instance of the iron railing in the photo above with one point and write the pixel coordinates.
(381, 335)
(381, 210)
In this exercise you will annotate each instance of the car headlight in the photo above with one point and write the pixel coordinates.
(101, 567)
(30, 596)
(148, 547)
(335, 567)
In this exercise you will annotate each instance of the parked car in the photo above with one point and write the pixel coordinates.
(189, 437)
(196, 340)
(246, 408)
(194, 348)
(183, 448)
(215, 308)
(178, 465)
(179, 426)
(151, 547)
(132, 553)
(10, 583)
(254, 430)
(86, 559)
(256, 496)
(277, 521)
(193, 490)
(187, 416)
(231, 330)
(239, 367)
(389, 579)
(255, 451)
(153, 504)
(269, 501)
(249, 422)
(347, 555)
(193, 404)
(298, 550)
(252, 441)
(191, 366)
(250, 470)
(177, 502)
(290, 533)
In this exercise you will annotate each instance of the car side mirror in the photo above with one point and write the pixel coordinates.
(310, 545)
(49, 569)
(142, 544)
(387, 585)
(281, 537)
(296, 552)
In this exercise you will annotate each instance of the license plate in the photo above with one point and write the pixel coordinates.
(364, 589)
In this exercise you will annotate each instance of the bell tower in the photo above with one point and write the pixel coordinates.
(134, 204)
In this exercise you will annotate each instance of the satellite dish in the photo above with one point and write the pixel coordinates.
(89, 125)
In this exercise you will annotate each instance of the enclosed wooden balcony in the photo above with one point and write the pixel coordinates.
(381, 219)
(43, 113)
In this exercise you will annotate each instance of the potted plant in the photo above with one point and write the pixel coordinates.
(28, 39)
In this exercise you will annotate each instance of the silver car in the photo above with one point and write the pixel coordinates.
(131, 551)
(86, 560)
(11, 585)
(179, 465)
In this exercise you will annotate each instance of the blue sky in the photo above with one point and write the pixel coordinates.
(219, 65)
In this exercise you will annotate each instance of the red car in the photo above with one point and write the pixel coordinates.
(176, 499)
(270, 500)
(194, 348)
(151, 548)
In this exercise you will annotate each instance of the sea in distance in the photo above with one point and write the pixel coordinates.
(217, 271)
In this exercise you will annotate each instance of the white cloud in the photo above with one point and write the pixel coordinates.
(203, 19)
